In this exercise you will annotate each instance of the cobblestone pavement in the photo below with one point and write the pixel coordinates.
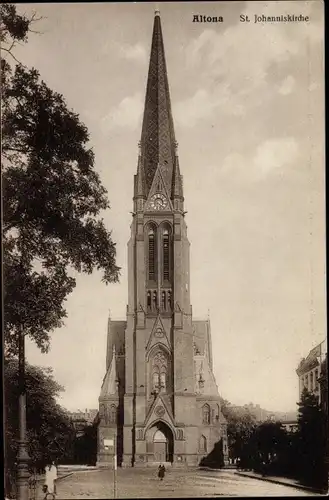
(143, 483)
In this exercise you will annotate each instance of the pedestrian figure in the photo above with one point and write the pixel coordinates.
(161, 472)
(51, 476)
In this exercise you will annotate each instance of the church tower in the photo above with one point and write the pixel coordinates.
(159, 400)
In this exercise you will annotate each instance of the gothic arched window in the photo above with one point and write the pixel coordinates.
(149, 300)
(152, 254)
(217, 412)
(163, 301)
(155, 300)
(163, 379)
(169, 300)
(113, 414)
(160, 371)
(165, 255)
(203, 444)
(206, 414)
(156, 380)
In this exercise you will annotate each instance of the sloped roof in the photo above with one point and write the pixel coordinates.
(311, 361)
(115, 336)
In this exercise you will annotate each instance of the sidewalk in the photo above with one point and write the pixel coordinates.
(279, 480)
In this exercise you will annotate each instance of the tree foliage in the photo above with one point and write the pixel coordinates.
(52, 199)
(311, 445)
(49, 430)
(240, 427)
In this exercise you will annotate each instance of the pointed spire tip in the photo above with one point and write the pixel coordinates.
(156, 13)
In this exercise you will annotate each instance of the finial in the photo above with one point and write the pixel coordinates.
(176, 145)
(157, 12)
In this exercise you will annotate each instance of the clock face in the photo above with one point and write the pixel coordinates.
(158, 201)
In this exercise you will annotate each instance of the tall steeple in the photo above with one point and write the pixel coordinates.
(158, 138)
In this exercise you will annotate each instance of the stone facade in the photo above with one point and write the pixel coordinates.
(159, 400)
(309, 370)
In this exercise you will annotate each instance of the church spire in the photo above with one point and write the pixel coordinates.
(158, 137)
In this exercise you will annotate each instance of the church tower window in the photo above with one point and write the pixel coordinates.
(155, 300)
(203, 444)
(166, 260)
(206, 414)
(160, 371)
(152, 254)
(163, 381)
(156, 379)
(163, 301)
(149, 300)
(169, 300)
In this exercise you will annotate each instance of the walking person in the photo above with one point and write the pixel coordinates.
(51, 476)
(161, 472)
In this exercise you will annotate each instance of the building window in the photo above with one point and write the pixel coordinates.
(206, 414)
(160, 371)
(312, 385)
(163, 301)
(156, 380)
(149, 300)
(203, 444)
(163, 381)
(155, 300)
(113, 414)
(169, 300)
(165, 249)
(152, 255)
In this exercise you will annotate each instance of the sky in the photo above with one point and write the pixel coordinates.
(248, 108)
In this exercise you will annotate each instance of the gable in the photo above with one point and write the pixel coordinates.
(158, 335)
(159, 410)
(158, 187)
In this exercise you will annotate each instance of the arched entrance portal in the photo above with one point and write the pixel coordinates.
(160, 440)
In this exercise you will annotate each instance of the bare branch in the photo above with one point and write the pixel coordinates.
(12, 55)
(35, 19)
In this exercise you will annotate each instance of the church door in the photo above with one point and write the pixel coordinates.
(160, 447)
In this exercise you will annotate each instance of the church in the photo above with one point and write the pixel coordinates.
(159, 401)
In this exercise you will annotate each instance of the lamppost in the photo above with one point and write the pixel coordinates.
(22, 456)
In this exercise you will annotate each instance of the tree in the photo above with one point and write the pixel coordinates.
(240, 427)
(52, 199)
(50, 433)
(269, 443)
(311, 441)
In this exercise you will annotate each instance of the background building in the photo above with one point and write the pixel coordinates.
(310, 369)
(159, 399)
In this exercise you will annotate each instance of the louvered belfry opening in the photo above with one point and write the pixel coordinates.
(151, 255)
(166, 274)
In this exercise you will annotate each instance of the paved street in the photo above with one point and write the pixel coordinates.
(143, 483)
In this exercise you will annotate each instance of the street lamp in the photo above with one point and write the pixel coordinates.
(22, 456)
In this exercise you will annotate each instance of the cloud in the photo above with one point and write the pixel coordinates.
(287, 85)
(135, 53)
(275, 154)
(200, 106)
(127, 114)
(270, 156)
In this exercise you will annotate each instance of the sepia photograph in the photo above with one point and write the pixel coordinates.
(163, 242)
